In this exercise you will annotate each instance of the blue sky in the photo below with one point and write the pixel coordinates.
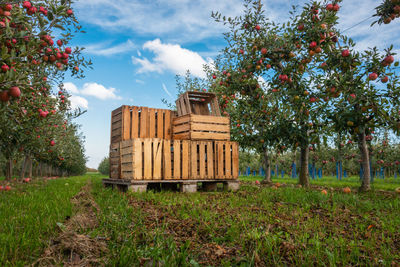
(138, 46)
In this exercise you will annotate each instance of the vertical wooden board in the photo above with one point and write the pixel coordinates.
(235, 160)
(167, 159)
(210, 160)
(220, 166)
(228, 162)
(147, 173)
(126, 123)
(157, 157)
(167, 125)
(144, 119)
(215, 107)
(160, 123)
(177, 159)
(134, 122)
(178, 106)
(187, 103)
(193, 160)
(152, 123)
(137, 155)
(202, 160)
(185, 159)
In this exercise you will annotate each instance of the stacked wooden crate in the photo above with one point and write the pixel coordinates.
(162, 145)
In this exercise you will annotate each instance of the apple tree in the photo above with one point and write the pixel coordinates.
(288, 57)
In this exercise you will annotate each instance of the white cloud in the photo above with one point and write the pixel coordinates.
(171, 57)
(166, 90)
(99, 91)
(139, 81)
(71, 88)
(78, 102)
(174, 20)
(102, 49)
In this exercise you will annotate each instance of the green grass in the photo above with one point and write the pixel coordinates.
(287, 226)
(29, 214)
(389, 184)
(257, 225)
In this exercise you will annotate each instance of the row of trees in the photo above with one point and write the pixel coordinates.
(35, 115)
(302, 84)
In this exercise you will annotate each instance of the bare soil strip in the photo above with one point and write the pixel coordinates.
(73, 247)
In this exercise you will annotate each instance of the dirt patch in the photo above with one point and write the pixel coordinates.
(182, 230)
(72, 247)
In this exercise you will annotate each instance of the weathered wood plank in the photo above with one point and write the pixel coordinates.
(193, 159)
(160, 123)
(152, 123)
(202, 160)
(157, 158)
(210, 160)
(138, 156)
(185, 159)
(168, 125)
(126, 135)
(235, 160)
(134, 122)
(177, 159)
(228, 163)
(209, 136)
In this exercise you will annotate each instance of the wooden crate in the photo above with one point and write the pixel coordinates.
(115, 166)
(163, 159)
(141, 158)
(202, 160)
(199, 103)
(226, 160)
(129, 122)
(201, 127)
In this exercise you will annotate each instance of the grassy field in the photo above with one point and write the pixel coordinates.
(256, 226)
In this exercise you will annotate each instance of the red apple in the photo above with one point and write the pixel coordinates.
(329, 7)
(70, 12)
(257, 27)
(14, 91)
(68, 50)
(8, 7)
(313, 44)
(7, 188)
(27, 4)
(52, 142)
(385, 79)
(345, 53)
(389, 59)
(59, 43)
(336, 7)
(264, 51)
(4, 96)
(373, 76)
(300, 27)
(5, 68)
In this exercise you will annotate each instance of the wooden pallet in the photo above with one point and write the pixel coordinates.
(129, 122)
(187, 186)
(200, 103)
(161, 159)
(201, 127)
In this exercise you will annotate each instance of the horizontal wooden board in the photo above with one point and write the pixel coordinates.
(209, 119)
(209, 136)
(209, 127)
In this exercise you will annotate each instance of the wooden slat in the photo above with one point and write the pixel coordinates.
(215, 107)
(181, 128)
(167, 159)
(228, 171)
(209, 119)
(126, 123)
(210, 160)
(168, 125)
(209, 136)
(147, 156)
(144, 122)
(185, 159)
(183, 136)
(202, 160)
(187, 103)
(152, 123)
(116, 125)
(220, 155)
(193, 159)
(235, 160)
(134, 122)
(116, 118)
(137, 163)
(157, 157)
(177, 159)
(178, 106)
(195, 126)
(181, 119)
(160, 123)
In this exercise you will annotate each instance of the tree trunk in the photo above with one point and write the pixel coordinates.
(362, 145)
(267, 165)
(9, 169)
(30, 168)
(23, 167)
(303, 178)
